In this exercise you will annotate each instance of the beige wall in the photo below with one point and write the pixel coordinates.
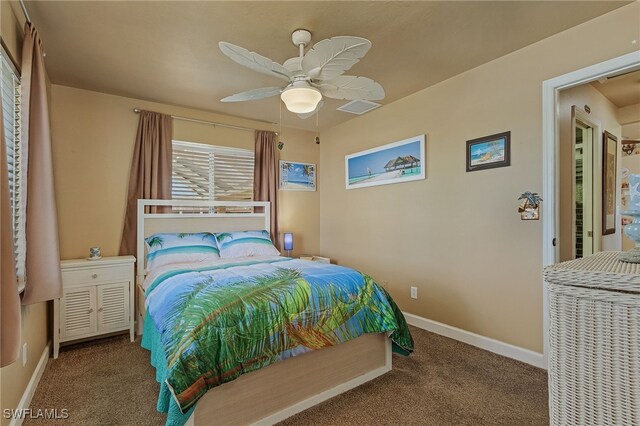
(93, 138)
(11, 28)
(603, 113)
(457, 236)
(629, 114)
(14, 378)
(631, 131)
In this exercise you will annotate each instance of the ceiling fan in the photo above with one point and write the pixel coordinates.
(309, 77)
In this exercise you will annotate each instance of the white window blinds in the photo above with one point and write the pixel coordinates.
(207, 172)
(10, 90)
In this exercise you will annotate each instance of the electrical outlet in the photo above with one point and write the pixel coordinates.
(24, 354)
(414, 292)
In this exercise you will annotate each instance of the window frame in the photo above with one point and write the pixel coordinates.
(18, 198)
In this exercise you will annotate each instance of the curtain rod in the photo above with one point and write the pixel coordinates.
(213, 123)
(24, 10)
(28, 18)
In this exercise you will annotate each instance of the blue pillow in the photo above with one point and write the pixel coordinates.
(164, 249)
(245, 243)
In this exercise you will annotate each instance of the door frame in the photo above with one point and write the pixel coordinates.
(550, 156)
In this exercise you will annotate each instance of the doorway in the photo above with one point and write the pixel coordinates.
(550, 182)
(584, 240)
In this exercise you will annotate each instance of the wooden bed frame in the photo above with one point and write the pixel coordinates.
(285, 388)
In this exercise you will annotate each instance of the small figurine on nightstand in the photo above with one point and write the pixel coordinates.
(94, 253)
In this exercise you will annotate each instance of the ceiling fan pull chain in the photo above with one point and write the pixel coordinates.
(317, 126)
(280, 141)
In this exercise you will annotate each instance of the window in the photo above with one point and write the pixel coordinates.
(208, 172)
(10, 90)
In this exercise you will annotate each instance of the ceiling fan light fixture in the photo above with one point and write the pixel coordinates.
(301, 99)
(310, 76)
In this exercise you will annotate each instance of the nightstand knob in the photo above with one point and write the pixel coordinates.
(100, 309)
(90, 310)
(94, 276)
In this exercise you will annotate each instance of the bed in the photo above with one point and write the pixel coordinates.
(254, 340)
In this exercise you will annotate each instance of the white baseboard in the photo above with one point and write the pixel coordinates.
(27, 396)
(492, 345)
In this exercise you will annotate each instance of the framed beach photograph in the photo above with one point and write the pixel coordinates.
(489, 152)
(609, 161)
(297, 176)
(396, 162)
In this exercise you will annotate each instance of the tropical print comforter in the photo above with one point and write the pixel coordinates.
(206, 324)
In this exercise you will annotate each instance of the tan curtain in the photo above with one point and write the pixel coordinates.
(150, 171)
(43, 278)
(265, 177)
(9, 299)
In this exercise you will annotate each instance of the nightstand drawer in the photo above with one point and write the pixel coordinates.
(97, 275)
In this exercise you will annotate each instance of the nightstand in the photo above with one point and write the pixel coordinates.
(315, 258)
(97, 298)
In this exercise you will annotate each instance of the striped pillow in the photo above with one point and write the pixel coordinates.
(164, 249)
(245, 243)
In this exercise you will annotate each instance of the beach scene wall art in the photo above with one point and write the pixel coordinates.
(489, 152)
(296, 176)
(401, 161)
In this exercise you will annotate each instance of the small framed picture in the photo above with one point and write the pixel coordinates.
(609, 161)
(489, 152)
(297, 176)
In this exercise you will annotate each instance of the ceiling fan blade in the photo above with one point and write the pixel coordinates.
(254, 61)
(312, 113)
(331, 57)
(351, 88)
(252, 95)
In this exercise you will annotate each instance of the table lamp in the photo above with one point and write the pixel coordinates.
(288, 242)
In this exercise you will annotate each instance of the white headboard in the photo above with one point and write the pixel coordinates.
(170, 221)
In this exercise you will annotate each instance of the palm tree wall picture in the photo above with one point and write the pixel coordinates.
(297, 176)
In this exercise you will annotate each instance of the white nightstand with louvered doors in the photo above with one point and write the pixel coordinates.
(97, 299)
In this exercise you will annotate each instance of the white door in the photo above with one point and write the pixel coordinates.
(77, 312)
(584, 186)
(113, 306)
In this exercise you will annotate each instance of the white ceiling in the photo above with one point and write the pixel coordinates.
(167, 51)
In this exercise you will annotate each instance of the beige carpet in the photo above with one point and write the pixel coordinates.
(110, 382)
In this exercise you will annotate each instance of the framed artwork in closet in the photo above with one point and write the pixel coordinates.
(609, 175)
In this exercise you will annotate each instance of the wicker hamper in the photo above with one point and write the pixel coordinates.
(594, 341)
